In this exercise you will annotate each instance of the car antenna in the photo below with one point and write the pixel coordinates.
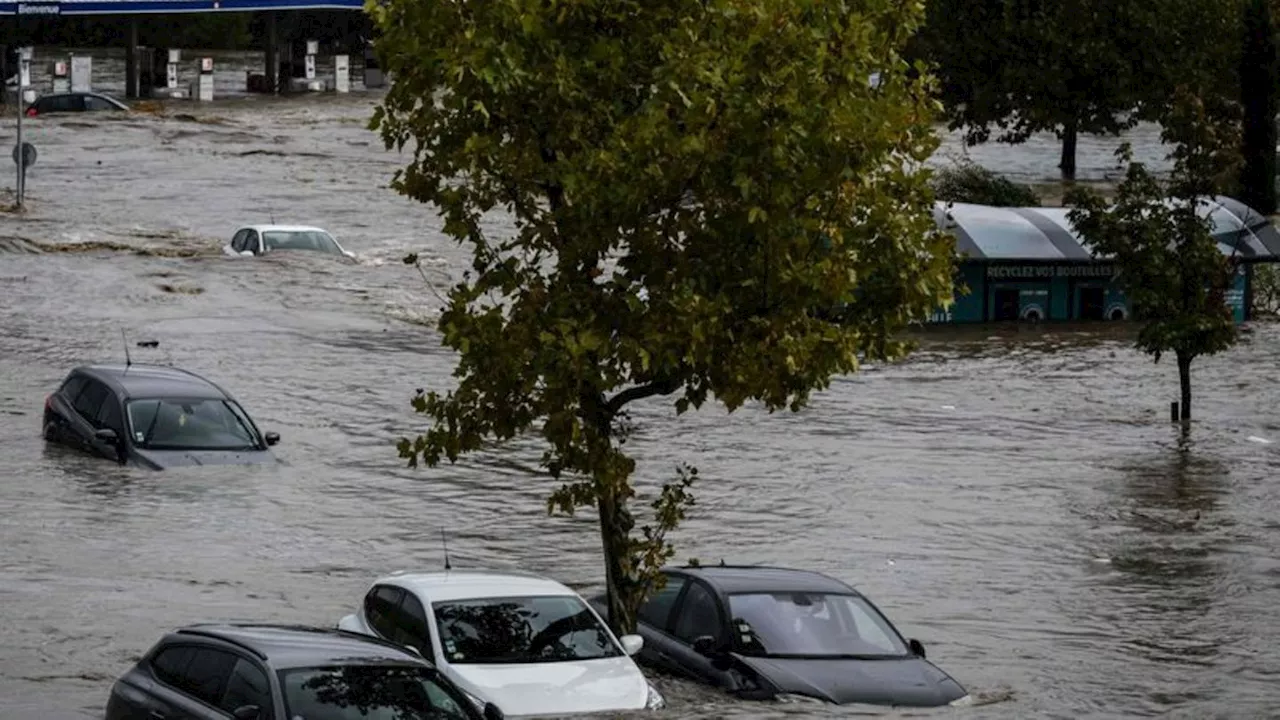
(128, 361)
(272, 215)
(445, 541)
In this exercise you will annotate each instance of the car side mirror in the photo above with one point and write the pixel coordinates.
(917, 647)
(106, 435)
(414, 649)
(349, 254)
(272, 438)
(631, 644)
(706, 646)
(247, 712)
(493, 712)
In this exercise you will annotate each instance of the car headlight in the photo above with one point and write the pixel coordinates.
(654, 701)
(965, 701)
(801, 699)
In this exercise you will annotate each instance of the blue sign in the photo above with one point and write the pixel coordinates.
(39, 8)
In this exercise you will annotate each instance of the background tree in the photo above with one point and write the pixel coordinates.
(692, 183)
(1170, 266)
(1011, 68)
(1259, 84)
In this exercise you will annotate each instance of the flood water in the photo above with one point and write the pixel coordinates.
(1014, 499)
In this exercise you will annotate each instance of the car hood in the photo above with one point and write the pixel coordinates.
(911, 681)
(582, 686)
(185, 458)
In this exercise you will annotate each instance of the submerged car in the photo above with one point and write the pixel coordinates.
(777, 633)
(265, 239)
(69, 102)
(515, 640)
(153, 416)
(274, 672)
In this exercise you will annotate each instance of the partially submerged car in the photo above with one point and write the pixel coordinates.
(769, 633)
(70, 102)
(153, 416)
(253, 240)
(511, 639)
(271, 672)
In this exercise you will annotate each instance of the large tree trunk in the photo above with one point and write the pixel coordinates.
(1184, 381)
(615, 529)
(1070, 134)
(1258, 79)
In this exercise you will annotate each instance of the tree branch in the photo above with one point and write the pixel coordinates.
(664, 386)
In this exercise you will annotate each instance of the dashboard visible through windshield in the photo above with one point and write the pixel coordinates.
(800, 624)
(190, 424)
(521, 630)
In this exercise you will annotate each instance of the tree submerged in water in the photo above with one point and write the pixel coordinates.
(693, 184)
(1161, 240)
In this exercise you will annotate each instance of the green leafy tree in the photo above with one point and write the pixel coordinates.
(1161, 240)
(1009, 69)
(691, 183)
(969, 182)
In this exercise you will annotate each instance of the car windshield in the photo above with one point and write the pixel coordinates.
(190, 424)
(800, 624)
(299, 240)
(370, 692)
(521, 630)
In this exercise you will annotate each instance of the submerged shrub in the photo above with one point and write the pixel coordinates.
(972, 183)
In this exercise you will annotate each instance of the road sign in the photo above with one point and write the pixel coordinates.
(28, 155)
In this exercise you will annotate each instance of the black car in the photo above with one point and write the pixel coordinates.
(74, 102)
(155, 416)
(277, 672)
(765, 633)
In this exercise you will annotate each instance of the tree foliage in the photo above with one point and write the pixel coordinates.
(1012, 68)
(969, 182)
(689, 183)
(1160, 237)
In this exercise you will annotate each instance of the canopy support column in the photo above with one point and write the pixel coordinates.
(131, 69)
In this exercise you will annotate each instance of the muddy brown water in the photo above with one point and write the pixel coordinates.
(1014, 499)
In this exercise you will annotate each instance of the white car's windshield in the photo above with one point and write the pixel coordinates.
(369, 692)
(299, 240)
(195, 424)
(799, 624)
(521, 630)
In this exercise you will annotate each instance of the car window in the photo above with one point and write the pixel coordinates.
(380, 608)
(536, 629)
(247, 686)
(89, 401)
(411, 624)
(698, 615)
(97, 103)
(371, 692)
(109, 413)
(188, 424)
(656, 611)
(812, 625)
(60, 103)
(299, 240)
(251, 241)
(71, 388)
(237, 240)
(170, 663)
(207, 674)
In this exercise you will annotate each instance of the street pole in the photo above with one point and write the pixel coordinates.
(22, 175)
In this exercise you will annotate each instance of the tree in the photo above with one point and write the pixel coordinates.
(969, 182)
(1161, 240)
(1071, 66)
(691, 186)
(1259, 84)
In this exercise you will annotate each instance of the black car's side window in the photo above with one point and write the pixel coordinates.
(95, 103)
(206, 677)
(411, 625)
(380, 609)
(656, 611)
(699, 615)
(109, 414)
(170, 664)
(71, 388)
(89, 401)
(247, 685)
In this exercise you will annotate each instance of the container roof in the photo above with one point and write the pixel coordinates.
(990, 233)
(47, 8)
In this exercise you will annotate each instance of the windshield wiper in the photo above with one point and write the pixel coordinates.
(146, 436)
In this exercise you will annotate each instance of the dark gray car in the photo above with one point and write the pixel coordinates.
(154, 416)
(276, 672)
(762, 632)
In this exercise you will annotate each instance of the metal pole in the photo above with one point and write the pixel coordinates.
(22, 175)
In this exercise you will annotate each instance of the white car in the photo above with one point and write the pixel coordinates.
(525, 643)
(262, 239)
